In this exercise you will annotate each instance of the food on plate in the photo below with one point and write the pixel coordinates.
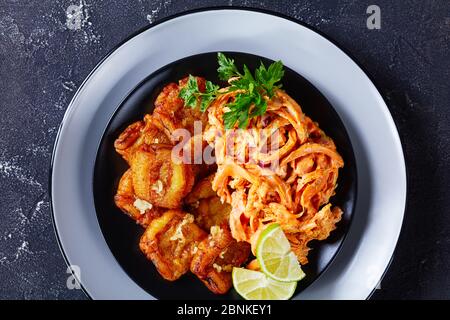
(207, 207)
(169, 241)
(291, 181)
(266, 194)
(140, 133)
(139, 210)
(255, 285)
(159, 180)
(275, 257)
(275, 272)
(156, 188)
(216, 256)
(170, 112)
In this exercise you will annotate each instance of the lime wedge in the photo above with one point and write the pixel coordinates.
(255, 285)
(275, 257)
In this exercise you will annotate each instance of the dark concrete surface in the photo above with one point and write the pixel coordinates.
(42, 63)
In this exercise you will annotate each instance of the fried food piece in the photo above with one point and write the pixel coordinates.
(191, 150)
(216, 256)
(254, 265)
(137, 134)
(157, 179)
(169, 242)
(171, 113)
(125, 200)
(207, 207)
(211, 212)
(202, 190)
(128, 138)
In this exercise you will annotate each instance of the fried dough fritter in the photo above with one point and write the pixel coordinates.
(169, 242)
(202, 190)
(146, 146)
(125, 200)
(173, 241)
(138, 134)
(216, 256)
(159, 180)
(204, 203)
(170, 112)
(128, 139)
(211, 212)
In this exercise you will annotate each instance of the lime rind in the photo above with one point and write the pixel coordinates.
(279, 266)
(275, 257)
(255, 285)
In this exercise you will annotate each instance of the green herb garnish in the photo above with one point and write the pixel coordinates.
(249, 102)
(192, 96)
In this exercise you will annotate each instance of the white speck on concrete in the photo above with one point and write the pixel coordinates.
(26, 46)
(23, 219)
(62, 101)
(7, 237)
(11, 170)
(23, 248)
(20, 232)
(9, 29)
(38, 208)
(52, 129)
(69, 85)
(150, 17)
(39, 149)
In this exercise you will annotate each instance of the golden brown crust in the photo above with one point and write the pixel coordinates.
(125, 198)
(171, 113)
(128, 138)
(159, 180)
(206, 206)
(216, 256)
(168, 242)
(137, 134)
(211, 212)
(202, 190)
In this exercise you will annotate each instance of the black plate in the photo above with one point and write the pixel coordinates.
(122, 234)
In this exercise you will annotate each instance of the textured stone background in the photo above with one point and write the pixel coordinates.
(42, 63)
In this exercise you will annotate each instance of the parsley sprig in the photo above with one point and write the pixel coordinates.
(249, 102)
(192, 95)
